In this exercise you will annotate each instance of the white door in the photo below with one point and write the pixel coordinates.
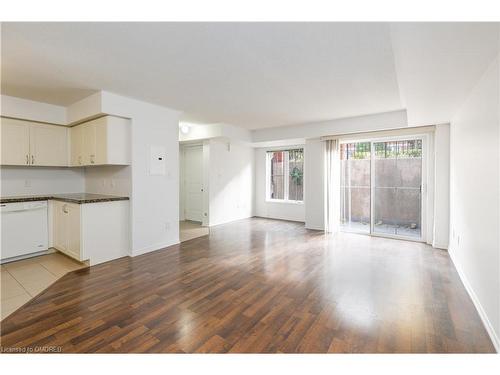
(15, 142)
(48, 145)
(193, 183)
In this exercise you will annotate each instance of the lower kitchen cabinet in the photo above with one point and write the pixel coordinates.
(66, 229)
(93, 232)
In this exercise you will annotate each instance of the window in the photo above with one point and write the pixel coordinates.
(285, 175)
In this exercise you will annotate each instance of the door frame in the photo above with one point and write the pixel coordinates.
(424, 137)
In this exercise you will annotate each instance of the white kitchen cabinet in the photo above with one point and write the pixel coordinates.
(33, 144)
(89, 131)
(66, 229)
(15, 142)
(76, 141)
(93, 232)
(48, 145)
(59, 232)
(104, 141)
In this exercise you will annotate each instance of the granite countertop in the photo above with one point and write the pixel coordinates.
(78, 198)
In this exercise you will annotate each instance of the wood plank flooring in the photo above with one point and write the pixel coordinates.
(259, 285)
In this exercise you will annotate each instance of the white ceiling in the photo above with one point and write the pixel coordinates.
(253, 75)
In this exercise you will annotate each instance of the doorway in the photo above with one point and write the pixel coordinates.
(193, 183)
(381, 187)
(191, 212)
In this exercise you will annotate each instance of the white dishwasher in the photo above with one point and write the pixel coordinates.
(24, 229)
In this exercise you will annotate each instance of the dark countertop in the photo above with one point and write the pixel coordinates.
(78, 198)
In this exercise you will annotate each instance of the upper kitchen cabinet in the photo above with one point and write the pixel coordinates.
(76, 142)
(48, 145)
(104, 141)
(33, 144)
(15, 142)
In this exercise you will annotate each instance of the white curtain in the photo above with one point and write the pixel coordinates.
(332, 186)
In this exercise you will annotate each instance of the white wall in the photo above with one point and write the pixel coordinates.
(200, 132)
(154, 198)
(231, 181)
(41, 180)
(274, 210)
(31, 110)
(380, 121)
(315, 184)
(108, 179)
(86, 108)
(474, 197)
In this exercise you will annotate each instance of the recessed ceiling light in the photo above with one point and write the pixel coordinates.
(184, 128)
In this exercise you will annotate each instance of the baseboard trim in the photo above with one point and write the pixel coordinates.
(482, 314)
(155, 247)
(314, 227)
(229, 221)
(439, 246)
(278, 218)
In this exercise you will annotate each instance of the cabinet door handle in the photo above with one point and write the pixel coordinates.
(80, 160)
(92, 159)
(65, 209)
(27, 159)
(32, 159)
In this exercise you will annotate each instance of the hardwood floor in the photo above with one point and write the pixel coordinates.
(259, 285)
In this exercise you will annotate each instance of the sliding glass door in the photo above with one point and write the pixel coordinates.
(397, 183)
(381, 187)
(355, 186)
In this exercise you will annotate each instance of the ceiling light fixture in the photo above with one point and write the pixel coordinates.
(184, 128)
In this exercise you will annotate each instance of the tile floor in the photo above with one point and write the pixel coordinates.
(191, 229)
(24, 279)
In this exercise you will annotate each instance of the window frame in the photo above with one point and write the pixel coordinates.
(286, 173)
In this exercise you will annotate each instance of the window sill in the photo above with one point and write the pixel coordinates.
(282, 201)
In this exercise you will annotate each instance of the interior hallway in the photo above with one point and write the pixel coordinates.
(260, 285)
(191, 229)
